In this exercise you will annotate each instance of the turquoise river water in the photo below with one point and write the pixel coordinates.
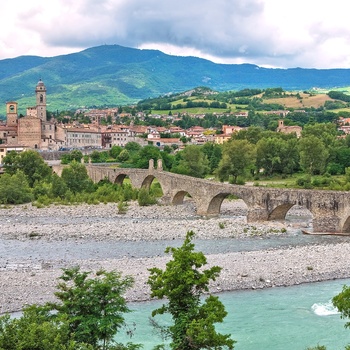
(285, 318)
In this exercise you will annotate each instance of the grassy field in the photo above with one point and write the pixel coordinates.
(306, 101)
(336, 182)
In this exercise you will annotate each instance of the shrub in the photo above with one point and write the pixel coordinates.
(304, 181)
(122, 207)
(144, 198)
(240, 180)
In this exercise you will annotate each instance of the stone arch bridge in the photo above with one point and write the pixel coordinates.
(330, 209)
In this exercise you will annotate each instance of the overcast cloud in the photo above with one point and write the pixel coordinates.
(269, 33)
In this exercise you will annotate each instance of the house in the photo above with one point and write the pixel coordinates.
(4, 149)
(288, 129)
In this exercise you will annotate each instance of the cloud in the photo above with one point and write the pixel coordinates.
(265, 32)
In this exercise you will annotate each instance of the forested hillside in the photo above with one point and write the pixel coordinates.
(114, 75)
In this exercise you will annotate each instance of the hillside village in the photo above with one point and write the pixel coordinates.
(34, 131)
(106, 128)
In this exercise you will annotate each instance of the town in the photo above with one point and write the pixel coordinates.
(35, 131)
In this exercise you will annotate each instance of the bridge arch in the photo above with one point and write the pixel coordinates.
(345, 228)
(120, 179)
(147, 182)
(294, 215)
(179, 197)
(280, 212)
(216, 203)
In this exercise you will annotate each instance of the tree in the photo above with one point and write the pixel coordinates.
(93, 307)
(213, 153)
(145, 154)
(36, 329)
(76, 155)
(313, 154)
(96, 157)
(238, 157)
(76, 177)
(326, 132)
(30, 162)
(342, 303)
(193, 162)
(133, 146)
(182, 283)
(59, 187)
(15, 189)
(123, 155)
(115, 151)
(253, 134)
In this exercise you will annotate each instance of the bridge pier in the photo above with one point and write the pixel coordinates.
(324, 223)
(256, 214)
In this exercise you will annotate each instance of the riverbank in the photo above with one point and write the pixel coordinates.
(31, 278)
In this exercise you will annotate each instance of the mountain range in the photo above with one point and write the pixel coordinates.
(112, 75)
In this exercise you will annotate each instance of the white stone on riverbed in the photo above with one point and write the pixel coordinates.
(33, 281)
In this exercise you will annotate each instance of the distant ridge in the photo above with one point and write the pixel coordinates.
(116, 75)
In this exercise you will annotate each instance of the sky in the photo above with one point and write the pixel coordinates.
(268, 33)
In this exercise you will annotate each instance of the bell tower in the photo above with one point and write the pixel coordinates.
(11, 113)
(40, 92)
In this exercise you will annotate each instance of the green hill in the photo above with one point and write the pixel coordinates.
(113, 75)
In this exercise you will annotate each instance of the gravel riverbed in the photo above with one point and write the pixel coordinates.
(35, 244)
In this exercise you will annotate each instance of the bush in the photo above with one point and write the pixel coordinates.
(304, 182)
(240, 180)
(122, 206)
(15, 189)
(144, 198)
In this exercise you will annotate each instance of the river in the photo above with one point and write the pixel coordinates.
(284, 318)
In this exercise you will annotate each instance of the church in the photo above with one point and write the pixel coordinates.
(33, 131)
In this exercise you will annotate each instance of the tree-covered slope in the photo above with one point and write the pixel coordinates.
(114, 75)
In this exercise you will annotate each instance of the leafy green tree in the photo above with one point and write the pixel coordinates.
(339, 159)
(290, 156)
(95, 157)
(76, 155)
(253, 134)
(15, 189)
(313, 155)
(76, 177)
(326, 132)
(30, 162)
(193, 162)
(145, 154)
(133, 147)
(92, 307)
(10, 162)
(238, 157)
(115, 151)
(342, 303)
(182, 283)
(276, 154)
(35, 329)
(123, 156)
(213, 153)
(59, 187)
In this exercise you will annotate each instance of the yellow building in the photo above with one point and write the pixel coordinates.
(4, 149)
